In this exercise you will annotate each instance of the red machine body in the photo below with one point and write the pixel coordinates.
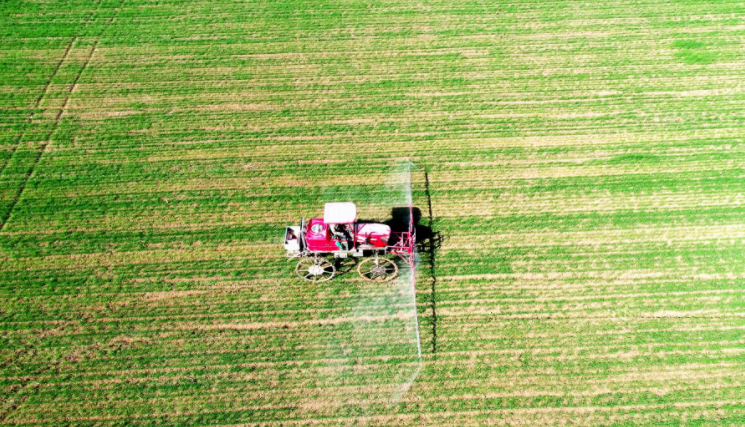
(364, 235)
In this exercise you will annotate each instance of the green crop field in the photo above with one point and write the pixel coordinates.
(581, 166)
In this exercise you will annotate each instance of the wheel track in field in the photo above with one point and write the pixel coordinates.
(36, 103)
(17, 397)
(44, 92)
(15, 403)
(58, 117)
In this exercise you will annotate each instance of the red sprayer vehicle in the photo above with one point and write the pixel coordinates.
(321, 241)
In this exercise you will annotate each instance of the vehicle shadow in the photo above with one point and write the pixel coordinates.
(344, 265)
(427, 239)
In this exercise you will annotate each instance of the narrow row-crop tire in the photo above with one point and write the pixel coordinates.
(315, 269)
(378, 269)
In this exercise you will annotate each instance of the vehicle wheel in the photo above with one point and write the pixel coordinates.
(315, 269)
(378, 269)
